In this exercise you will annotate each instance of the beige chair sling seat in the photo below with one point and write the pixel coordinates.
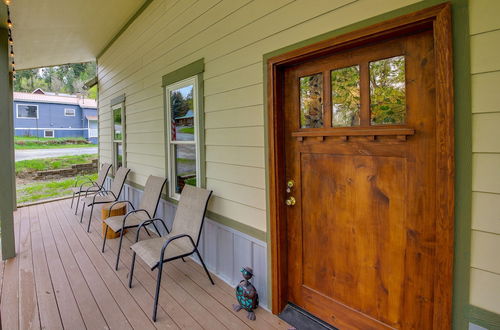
(149, 250)
(99, 199)
(133, 220)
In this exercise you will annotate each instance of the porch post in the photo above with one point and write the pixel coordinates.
(7, 184)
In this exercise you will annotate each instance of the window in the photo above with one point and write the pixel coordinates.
(27, 111)
(182, 107)
(48, 133)
(387, 91)
(369, 93)
(69, 112)
(118, 135)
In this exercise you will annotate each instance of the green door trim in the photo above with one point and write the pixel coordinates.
(463, 140)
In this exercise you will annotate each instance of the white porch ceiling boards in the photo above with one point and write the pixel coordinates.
(53, 32)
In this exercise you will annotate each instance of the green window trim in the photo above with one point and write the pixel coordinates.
(118, 103)
(192, 70)
(118, 99)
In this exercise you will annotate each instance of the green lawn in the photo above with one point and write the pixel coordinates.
(29, 142)
(37, 191)
(33, 165)
(187, 130)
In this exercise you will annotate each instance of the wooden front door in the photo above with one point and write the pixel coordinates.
(360, 142)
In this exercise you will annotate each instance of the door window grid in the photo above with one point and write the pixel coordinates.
(384, 96)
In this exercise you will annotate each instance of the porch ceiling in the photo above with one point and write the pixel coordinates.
(53, 32)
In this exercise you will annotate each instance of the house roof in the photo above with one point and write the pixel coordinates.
(55, 32)
(188, 114)
(44, 98)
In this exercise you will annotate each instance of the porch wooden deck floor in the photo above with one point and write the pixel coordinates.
(60, 279)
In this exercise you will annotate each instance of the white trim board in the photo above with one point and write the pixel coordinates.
(53, 128)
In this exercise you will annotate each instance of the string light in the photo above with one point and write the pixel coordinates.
(10, 25)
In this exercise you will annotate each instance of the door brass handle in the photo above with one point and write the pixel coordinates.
(290, 201)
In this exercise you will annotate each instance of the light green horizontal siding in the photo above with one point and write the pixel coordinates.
(485, 70)
(232, 36)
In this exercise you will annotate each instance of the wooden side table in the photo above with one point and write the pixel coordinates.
(118, 209)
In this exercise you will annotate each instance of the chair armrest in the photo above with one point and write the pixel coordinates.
(114, 203)
(173, 238)
(85, 178)
(107, 191)
(145, 223)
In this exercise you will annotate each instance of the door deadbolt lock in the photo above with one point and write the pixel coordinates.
(290, 183)
(290, 201)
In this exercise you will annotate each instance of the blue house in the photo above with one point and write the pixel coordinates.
(49, 115)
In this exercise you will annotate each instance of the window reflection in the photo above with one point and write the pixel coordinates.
(311, 101)
(345, 96)
(181, 105)
(387, 91)
(185, 165)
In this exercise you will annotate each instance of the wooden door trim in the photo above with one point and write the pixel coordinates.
(437, 18)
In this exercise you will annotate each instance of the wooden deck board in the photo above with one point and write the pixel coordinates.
(64, 281)
(9, 308)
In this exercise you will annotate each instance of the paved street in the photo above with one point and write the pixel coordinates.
(46, 153)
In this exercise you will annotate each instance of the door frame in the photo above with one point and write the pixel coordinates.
(437, 18)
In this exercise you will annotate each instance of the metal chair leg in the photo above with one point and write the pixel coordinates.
(204, 267)
(131, 274)
(104, 240)
(83, 210)
(119, 249)
(157, 293)
(72, 199)
(90, 218)
(77, 204)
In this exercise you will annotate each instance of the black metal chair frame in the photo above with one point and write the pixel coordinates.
(103, 202)
(162, 260)
(134, 210)
(89, 189)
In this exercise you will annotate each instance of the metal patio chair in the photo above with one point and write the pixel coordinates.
(147, 210)
(181, 242)
(106, 196)
(94, 187)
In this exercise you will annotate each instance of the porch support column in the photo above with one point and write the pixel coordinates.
(7, 162)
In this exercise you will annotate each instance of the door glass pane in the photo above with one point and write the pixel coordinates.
(181, 105)
(185, 165)
(311, 101)
(117, 120)
(119, 155)
(387, 91)
(345, 96)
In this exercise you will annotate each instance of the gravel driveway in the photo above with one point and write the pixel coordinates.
(46, 153)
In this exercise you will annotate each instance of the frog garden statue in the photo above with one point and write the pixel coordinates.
(246, 294)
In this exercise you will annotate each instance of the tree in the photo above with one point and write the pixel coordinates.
(68, 79)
